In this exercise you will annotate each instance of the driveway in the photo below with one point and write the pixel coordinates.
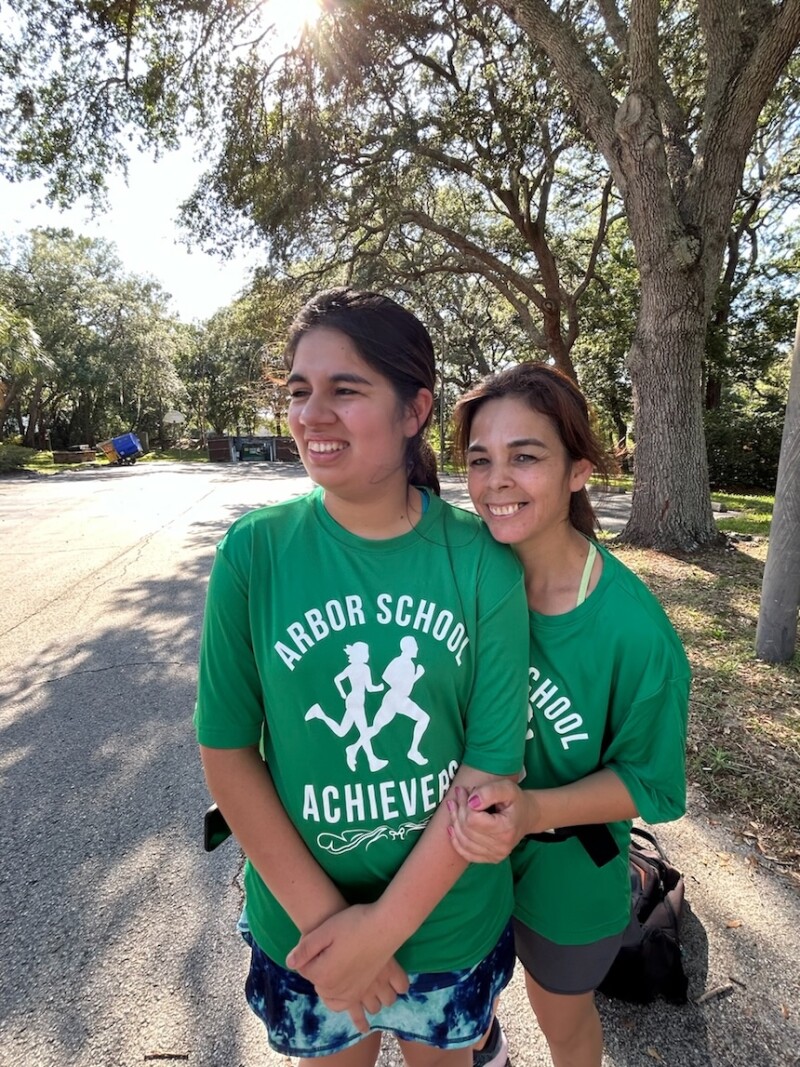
(118, 946)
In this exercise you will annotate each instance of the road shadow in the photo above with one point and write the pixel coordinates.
(117, 923)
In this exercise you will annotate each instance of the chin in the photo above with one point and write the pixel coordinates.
(501, 533)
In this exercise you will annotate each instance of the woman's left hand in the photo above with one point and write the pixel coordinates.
(348, 960)
(487, 824)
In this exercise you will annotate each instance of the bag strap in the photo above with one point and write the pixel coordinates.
(637, 831)
(596, 838)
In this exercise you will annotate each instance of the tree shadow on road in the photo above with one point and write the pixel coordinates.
(120, 938)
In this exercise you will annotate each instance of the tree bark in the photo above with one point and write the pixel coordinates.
(776, 633)
(34, 411)
(671, 504)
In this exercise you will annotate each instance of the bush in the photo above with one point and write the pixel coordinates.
(14, 457)
(743, 448)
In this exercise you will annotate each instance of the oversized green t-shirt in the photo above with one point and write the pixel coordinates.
(608, 687)
(368, 671)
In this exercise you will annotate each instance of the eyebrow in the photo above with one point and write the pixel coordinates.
(519, 442)
(343, 376)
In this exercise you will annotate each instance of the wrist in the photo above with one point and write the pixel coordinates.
(385, 926)
(318, 912)
(536, 814)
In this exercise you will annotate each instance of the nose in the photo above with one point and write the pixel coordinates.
(500, 476)
(316, 411)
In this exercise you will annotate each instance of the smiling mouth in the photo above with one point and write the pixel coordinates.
(325, 447)
(499, 511)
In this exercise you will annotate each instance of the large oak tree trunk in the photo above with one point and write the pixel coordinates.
(671, 507)
(679, 193)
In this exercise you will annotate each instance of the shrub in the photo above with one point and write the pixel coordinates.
(743, 448)
(14, 457)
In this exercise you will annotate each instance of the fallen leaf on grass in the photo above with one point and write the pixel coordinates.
(654, 1054)
(785, 1011)
(733, 924)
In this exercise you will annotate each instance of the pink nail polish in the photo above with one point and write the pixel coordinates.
(474, 801)
(451, 806)
(450, 831)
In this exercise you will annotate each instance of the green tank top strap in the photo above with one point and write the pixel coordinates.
(587, 573)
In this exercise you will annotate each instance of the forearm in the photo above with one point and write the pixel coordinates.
(242, 786)
(427, 875)
(599, 798)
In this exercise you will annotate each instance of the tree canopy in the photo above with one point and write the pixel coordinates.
(89, 350)
(435, 138)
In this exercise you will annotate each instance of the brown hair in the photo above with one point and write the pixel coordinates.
(393, 342)
(551, 393)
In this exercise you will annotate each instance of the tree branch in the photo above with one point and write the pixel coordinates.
(481, 255)
(643, 48)
(582, 80)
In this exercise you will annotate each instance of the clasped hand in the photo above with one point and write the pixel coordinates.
(487, 823)
(350, 965)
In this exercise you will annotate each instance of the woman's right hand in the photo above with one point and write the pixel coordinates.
(349, 964)
(488, 823)
(388, 983)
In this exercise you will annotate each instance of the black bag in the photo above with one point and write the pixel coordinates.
(649, 963)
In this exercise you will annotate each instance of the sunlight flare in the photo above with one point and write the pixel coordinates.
(291, 17)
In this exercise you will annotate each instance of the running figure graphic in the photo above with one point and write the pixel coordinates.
(357, 672)
(401, 676)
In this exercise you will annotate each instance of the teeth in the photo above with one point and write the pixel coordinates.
(325, 446)
(503, 509)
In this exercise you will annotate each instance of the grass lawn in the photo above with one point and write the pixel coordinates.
(42, 462)
(744, 730)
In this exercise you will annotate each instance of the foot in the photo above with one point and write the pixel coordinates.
(495, 1051)
(314, 713)
(417, 757)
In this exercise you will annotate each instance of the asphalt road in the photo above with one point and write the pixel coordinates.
(117, 945)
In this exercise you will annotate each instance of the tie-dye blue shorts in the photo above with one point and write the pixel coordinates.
(450, 1009)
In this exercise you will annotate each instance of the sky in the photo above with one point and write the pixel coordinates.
(141, 217)
(140, 221)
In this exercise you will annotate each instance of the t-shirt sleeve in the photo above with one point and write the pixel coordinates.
(497, 711)
(648, 751)
(229, 712)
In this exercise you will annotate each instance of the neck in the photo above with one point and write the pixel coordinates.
(390, 510)
(553, 568)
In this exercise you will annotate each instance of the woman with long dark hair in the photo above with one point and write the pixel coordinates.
(355, 662)
(608, 700)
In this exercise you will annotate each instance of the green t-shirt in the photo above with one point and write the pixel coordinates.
(608, 687)
(368, 671)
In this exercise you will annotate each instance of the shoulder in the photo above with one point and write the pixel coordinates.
(272, 521)
(628, 588)
(631, 612)
(467, 531)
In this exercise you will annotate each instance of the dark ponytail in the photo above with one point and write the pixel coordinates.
(421, 464)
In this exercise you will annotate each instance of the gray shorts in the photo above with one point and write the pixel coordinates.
(568, 969)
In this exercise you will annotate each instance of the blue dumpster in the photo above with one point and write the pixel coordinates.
(123, 450)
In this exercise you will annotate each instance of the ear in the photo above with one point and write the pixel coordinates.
(580, 474)
(417, 411)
